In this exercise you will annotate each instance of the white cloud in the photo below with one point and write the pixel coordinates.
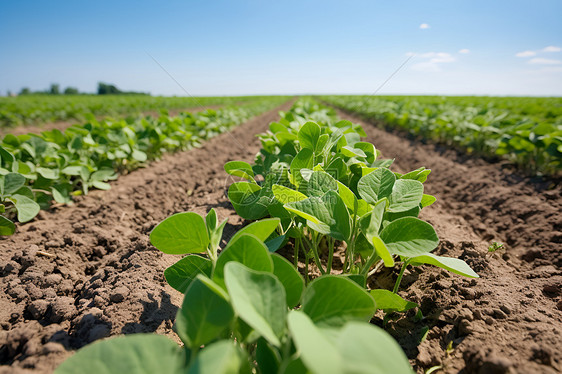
(544, 61)
(432, 61)
(424, 26)
(526, 54)
(551, 48)
(464, 51)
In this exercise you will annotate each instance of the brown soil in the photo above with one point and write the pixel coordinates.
(510, 319)
(102, 277)
(88, 271)
(63, 125)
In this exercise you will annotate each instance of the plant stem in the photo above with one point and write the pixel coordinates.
(330, 254)
(370, 261)
(314, 246)
(397, 284)
(306, 267)
(296, 255)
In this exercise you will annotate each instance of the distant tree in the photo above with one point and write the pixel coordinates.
(71, 91)
(107, 89)
(25, 91)
(55, 89)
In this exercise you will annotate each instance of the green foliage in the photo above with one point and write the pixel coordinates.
(524, 130)
(56, 165)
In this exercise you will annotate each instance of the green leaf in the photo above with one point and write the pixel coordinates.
(427, 200)
(409, 237)
(7, 227)
(287, 195)
(240, 169)
(182, 273)
(390, 302)
(48, 173)
(11, 183)
(247, 200)
(308, 135)
(27, 208)
(62, 193)
(138, 353)
(317, 353)
(319, 183)
(368, 349)
(260, 229)
(259, 300)
(406, 194)
(205, 313)
(454, 265)
(245, 249)
(376, 185)
(222, 357)
(331, 301)
(267, 357)
(327, 214)
(181, 233)
(290, 278)
(303, 160)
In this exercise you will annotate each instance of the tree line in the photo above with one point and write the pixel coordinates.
(103, 89)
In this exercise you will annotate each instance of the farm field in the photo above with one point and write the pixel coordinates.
(37, 110)
(75, 274)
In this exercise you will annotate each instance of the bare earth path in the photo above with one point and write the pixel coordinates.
(101, 276)
(509, 320)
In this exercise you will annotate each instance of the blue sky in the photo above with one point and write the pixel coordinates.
(286, 47)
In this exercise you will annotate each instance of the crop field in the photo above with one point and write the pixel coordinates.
(276, 234)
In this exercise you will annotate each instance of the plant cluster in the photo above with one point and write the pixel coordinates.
(526, 131)
(248, 309)
(55, 165)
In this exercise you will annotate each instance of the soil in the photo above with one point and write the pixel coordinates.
(81, 273)
(63, 125)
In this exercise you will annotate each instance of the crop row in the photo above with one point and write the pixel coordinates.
(55, 165)
(38, 109)
(314, 189)
(526, 131)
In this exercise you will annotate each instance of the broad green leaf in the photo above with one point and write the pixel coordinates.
(138, 353)
(350, 151)
(427, 200)
(454, 265)
(7, 227)
(27, 208)
(368, 349)
(211, 220)
(382, 250)
(260, 229)
(409, 237)
(303, 160)
(376, 185)
(139, 156)
(181, 233)
(418, 174)
(182, 273)
(318, 353)
(308, 135)
(388, 301)
(368, 149)
(290, 278)
(62, 193)
(247, 200)
(245, 249)
(48, 173)
(331, 301)
(327, 214)
(11, 183)
(240, 169)
(321, 182)
(259, 299)
(205, 313)
(267, 357)
(287, 195)
(406, 194)
(222, 357)
(275, 243)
